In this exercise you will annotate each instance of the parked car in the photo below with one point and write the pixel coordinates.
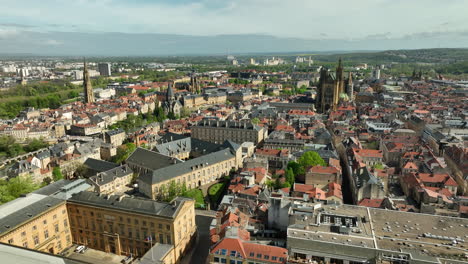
(127, 260)
(80, 249)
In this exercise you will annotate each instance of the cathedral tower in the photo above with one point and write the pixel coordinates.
(88, 89)
(331, 86)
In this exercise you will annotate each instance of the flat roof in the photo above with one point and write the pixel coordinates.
(18, 255)
(428, 236)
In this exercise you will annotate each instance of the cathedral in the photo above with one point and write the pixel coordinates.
(88, 89)
(171, 104)
(194, 83)
(332, 89)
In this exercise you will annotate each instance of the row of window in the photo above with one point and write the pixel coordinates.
(129, 221)
(236, 254)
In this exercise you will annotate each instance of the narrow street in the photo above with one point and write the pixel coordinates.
(199, 252)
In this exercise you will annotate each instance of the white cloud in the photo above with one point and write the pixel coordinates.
(8, 33)
(53, 42)
(292, 18)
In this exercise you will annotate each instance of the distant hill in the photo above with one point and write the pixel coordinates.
(149, 44)
(402, 56)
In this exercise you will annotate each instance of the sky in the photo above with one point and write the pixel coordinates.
(323, 20)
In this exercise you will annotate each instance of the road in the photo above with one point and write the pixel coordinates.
(199, 252)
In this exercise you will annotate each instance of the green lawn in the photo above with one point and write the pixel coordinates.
(215, 191)
(197, 195)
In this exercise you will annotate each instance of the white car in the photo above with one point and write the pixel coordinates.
(80, 249)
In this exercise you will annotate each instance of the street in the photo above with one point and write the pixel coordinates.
(199, 252)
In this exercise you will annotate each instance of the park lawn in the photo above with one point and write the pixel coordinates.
(215, 191)
(197, 195)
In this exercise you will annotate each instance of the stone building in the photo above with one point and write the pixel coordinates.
(112, 181)
(36, 222)
(194, 173)
(130, 226)
(219, 131)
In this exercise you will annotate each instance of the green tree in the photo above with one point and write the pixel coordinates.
(185, 112)
(255, 121)
(160, 115)
(35, 144)
(289, 175)
(311, 158)
(15, 187)
(171, 116)
(378, 166)
(57, 174)
(82, 171)
(123, 152)
(296, 168)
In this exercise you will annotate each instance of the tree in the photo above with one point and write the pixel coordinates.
(296, 168)
(123, 152)
(15, 187)
(185, 112)
(171, 116)
(35, 144)
(255, 121)
(81, 171)
(46, 181)
(57, 174)
(311, 158)
(378, 166)
(160, 115)
(289, 175)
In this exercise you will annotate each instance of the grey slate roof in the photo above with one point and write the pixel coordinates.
(114, 132)
(171, 145)
(150, 159)
(23, 209)
(99, 165)
(43, 155)
(175, 170)
(108, 176)
(136, 205)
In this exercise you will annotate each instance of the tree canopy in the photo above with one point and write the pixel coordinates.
(311, 158)
(15, 187)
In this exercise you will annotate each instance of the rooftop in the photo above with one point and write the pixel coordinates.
(346, 225)
(23, 209)
(125, 203)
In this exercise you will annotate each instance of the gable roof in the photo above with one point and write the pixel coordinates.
(173, 170)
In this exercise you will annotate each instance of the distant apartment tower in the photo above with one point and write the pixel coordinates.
(377, 73)
(104, 69)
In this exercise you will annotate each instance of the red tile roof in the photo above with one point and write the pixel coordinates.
(323, 170)
(375, 203)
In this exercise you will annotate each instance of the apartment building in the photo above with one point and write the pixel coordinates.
(219, 131)
(124, 225)
(37, 222)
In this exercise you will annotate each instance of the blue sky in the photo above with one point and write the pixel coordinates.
(352, 20)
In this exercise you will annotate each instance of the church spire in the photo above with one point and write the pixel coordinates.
(88, 89)
(170, 93)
